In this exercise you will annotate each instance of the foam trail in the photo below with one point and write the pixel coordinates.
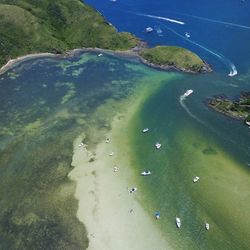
(234, 71)
(224, 60)
(216, 21)
(162, 18)
(181, 100)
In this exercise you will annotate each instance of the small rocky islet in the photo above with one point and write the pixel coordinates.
(238, 108)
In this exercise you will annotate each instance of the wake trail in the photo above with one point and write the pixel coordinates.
(216, 21)
(161, 18)
(181, 100)
(223, 59)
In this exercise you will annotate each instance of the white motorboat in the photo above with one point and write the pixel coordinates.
(149, 29)
(196, 178)
(111, 154)
(188, 92)
(187, 35)
(81, 144)
(157, 145)
(178, 222)
(146, 173)
(115, 169)
(100, 54)
(207, 226)
(132, 190)
(145, 130)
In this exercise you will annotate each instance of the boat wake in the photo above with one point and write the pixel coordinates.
(161, 18)
(233, 71)
(223, 59)
(215, 21)
(181, 100)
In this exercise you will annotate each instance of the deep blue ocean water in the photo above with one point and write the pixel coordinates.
(230, 40)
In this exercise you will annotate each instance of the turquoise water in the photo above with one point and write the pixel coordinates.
(201, 143)
(46, 103)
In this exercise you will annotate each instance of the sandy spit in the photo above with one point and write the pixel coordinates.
(112, 215)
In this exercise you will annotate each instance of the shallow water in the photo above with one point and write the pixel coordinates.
(46, 103)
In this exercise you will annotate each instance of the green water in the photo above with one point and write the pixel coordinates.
(47, 103)
(193, 145)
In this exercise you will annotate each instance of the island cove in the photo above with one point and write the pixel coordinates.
(52, 28)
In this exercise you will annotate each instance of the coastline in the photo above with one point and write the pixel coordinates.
(13, 62)
(132, 53)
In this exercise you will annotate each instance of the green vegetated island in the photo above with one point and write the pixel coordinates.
(239, 108)
(29, 26)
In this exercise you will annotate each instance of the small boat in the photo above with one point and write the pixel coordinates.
(187, 35)
(107, 140)
(100, 54)
(149, 29)
(207, 226)
(247, 123)
(111, 154)
(81, 144)
(145, 130)
(196, 178)
(178, 222)
(188, 92)
(157, 215)
(132, 190)
(157, 145)
(146, 173)
(115, 169)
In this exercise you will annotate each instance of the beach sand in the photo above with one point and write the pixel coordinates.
(112, 215)
(11, 63)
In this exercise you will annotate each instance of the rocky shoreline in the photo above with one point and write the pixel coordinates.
(237, 109)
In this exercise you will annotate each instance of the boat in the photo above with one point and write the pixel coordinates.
(100, 54)
(178, 222)
(145, 130)
(188, 92)
(158, 31)
(149, 29)
(146, 173)
(81, 144)
(207, 226)
(115, 169)
(196, 178)
(187, 35)
(111, 154)
(157, 145)
(248, 123)
(107, 140)
(132, 190)
(157, 215)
